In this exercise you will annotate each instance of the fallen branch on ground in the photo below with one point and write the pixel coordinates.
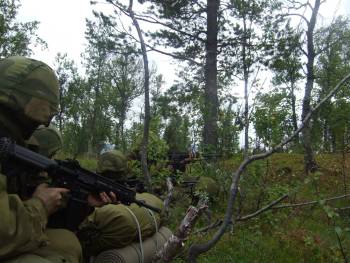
(169, 196)
(197, 249)
(175, 243)
(311, 202)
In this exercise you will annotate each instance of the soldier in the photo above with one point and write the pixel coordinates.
(113, 164)
(45, 140)
(117, 226)
(29, 94)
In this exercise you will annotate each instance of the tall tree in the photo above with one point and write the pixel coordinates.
(272, 120)
(211, 84)
(147, 118)
(16, 37)
(191, 28)
(97, 53)
(124, 76)
(310, 54)
(286, 66)
(250, 22)
(74, 108)
(333, 63)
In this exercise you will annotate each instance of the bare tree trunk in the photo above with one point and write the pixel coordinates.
(147, 104)
(294, 114)
(245, 79)
(211, 97)
(197, 249)
(310, 163)
(344, 160)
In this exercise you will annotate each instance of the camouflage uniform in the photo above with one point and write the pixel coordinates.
(112, 164)
(46, 140)
(116, 226)
(28, 98)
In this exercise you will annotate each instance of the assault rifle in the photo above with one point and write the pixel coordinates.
(67, 174)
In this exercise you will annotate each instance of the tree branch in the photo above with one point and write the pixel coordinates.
(262, 210)
(311, 202)
(197, 249)
(176, 241)
(155, 21)
(169, 196)
(299, 15)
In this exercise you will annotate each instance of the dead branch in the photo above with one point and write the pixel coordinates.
(262, 210)
(217, 223)
(169, 196)
(311, 202)
(342, 208)
(175, 243)
(197, 249)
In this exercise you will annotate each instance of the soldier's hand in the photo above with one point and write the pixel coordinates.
(50, 196)
(102, 199)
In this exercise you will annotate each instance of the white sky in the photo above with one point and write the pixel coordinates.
(62, 26)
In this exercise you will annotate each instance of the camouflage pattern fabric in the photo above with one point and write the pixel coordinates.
(113, 226)
(29, 86)
(47, 140)
(113, 164)
(56, 251)
(207, 185)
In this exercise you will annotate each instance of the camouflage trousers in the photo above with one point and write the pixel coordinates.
(63, 247)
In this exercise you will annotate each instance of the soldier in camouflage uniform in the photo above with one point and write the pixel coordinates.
(117, 226)
(29, 94)
(45, 140)
(28, 98)
(113, 164)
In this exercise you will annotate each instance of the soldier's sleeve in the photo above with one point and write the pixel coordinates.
(22, 223)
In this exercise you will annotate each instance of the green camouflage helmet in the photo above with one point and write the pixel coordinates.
(113, 164)
(29, 86)
(47, 140)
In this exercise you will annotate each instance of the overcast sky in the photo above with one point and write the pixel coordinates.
(62, 26)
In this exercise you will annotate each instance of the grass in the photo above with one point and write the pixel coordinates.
(305, 234)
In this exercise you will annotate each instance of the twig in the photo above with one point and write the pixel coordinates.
(341, 248)
(197, 249)
(342, 208)
(311, 202)
(243, 218)
(269, 206)
(211, 226)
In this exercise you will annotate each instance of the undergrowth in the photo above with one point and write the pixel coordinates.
(311, 233)
(304, 234)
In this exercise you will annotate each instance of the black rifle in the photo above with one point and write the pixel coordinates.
(67, 174)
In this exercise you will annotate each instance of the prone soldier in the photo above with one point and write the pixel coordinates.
(29, 94)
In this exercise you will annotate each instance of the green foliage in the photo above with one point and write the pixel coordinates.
(176, 134)
(307, 234)
(16, 37)
(271, 120)
(332, 122)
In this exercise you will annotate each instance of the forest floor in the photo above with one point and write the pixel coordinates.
(309, 233)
